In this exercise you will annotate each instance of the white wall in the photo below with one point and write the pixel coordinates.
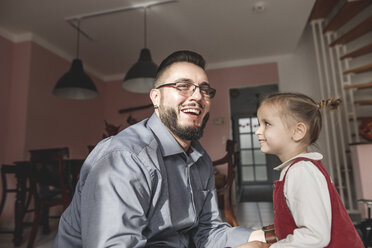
(298, 73)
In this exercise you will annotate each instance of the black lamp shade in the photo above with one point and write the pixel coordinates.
(140, 77)
(75, 84)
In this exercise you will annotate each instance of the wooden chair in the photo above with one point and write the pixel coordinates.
(224, 183)
(48, 185)
(10, 169)
(91, 147)
(6, 170)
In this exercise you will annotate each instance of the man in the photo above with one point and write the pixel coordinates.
(152, 184)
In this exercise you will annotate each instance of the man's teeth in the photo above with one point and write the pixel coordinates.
(193, 111)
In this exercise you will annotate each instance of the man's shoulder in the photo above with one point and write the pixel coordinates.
(134, 138)
(131, 140)
(135, 141)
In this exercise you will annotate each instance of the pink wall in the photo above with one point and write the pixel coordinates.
(6, 58)
(18, 96)
(58, 122)
(35, 119)
(6, 62)
(116, 98)
(13, 139)
(222, 80)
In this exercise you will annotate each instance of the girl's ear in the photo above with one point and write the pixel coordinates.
(299, 131)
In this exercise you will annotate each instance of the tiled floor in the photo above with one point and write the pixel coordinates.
(42, 241)
(249, 214)
(255, 214)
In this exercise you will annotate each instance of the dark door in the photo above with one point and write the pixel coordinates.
(254, 168)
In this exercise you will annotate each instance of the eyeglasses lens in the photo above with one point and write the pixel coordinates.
(188, 88)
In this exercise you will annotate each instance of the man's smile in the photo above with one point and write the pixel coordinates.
(192, 110)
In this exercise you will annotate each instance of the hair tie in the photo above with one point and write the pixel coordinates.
(331, 103)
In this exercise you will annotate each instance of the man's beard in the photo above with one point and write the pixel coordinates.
(169, 118)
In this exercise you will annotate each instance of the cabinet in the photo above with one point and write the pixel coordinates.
(362, 161)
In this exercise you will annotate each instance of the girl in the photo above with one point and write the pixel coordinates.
(308, 210)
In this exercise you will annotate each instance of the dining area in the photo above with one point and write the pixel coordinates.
(44, 187)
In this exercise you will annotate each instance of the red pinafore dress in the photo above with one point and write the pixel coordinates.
(343, 232)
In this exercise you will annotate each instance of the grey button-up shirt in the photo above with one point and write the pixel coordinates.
(140, 189)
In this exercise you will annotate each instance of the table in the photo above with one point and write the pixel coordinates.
(23, 172)
(22, 175)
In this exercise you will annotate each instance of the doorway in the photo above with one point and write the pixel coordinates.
(255, 174)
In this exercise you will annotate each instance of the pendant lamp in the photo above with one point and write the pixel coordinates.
(141, 76)
(76, 84)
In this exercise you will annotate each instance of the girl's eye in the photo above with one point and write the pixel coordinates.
(267, 124)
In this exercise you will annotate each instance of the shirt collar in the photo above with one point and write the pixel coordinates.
(310, 155)
(168, 144)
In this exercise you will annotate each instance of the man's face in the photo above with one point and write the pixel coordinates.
(185, 116)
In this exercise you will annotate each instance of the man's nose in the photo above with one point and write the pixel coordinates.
(197, 93)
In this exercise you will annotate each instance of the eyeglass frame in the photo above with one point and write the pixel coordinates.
(210, 96)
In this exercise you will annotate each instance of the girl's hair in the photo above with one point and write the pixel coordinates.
(302, 108)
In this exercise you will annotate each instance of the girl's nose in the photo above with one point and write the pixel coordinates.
(258, 131)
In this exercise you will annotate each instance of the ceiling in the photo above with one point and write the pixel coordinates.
(222, 31)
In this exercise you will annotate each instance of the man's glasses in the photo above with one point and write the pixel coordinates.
(187, 88)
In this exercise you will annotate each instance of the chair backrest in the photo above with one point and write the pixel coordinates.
(224, 190)
(47, 175)
(91, 147)
(229, 160)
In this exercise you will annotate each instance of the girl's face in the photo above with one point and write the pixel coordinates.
(274, 135)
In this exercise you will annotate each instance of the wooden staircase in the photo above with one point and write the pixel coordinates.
(358, 52)
(359, 86)
(361, 69)
(339, 26)
(345, 14)
(361, 29)
(345, 11)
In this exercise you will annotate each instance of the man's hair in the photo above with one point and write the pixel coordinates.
(180, 56)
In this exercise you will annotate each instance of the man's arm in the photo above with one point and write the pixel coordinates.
(212, 232)
(114, 202)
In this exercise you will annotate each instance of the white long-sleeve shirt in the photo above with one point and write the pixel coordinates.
(308, 200)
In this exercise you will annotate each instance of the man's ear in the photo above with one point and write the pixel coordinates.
(155, 97)
(299, 131)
